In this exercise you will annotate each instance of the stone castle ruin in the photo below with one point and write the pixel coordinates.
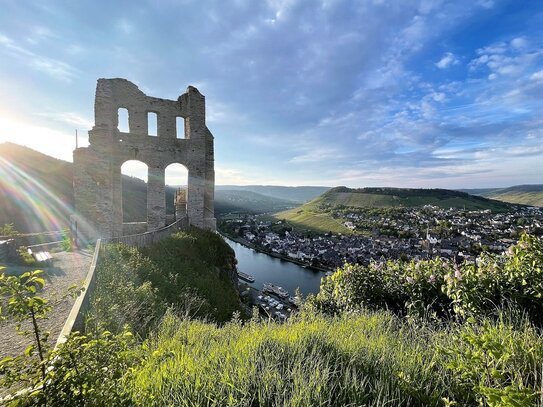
(97, 168)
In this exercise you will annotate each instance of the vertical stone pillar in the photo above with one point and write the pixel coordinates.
(196, 192)
(156, 198)
(209, 202)
(117, 199)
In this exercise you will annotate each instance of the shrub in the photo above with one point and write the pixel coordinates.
(441, 288)
(496, 364)
(25, 258)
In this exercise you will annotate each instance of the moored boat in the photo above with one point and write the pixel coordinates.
(274, 289)
(246, 277)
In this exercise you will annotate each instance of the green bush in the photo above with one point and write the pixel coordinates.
(440, 288)
(512, 279)
(497, 364)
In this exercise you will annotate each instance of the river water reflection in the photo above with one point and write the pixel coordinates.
(268, 269)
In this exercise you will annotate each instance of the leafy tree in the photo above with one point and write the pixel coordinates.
(20, 302)
(8, 230)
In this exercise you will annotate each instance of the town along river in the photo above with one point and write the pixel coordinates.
(268, 269)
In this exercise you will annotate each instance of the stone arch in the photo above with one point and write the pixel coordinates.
(134, 196)
(177, 179)
(97, 168)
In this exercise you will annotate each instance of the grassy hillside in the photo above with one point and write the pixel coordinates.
(193, 271)
(315, 214)
(293, 194)
(519, 194)
(227, 201)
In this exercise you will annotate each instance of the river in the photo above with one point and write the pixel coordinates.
(268, 269)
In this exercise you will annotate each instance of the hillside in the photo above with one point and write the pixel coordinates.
(293, 194)
(228, 201)
(315, 216)
(519, 194)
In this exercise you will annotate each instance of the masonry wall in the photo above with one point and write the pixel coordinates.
(97, 168)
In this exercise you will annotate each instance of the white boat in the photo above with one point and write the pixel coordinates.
(246, 277)
(274, 289)
(294, 300)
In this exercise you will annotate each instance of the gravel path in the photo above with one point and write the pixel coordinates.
(66, 269)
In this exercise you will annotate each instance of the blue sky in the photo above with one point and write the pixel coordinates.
(422, 93)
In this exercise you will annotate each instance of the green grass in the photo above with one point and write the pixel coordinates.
(525, 198)
(192, 271)
(365, 359)
(307, 218)
(351, 357)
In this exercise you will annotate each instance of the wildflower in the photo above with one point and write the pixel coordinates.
(410, 280)
(432, 278)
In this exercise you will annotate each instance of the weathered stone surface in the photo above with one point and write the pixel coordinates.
(97, 168)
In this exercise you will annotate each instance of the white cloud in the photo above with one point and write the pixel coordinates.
(53, 67)
(537, 76)
(519, 42)
(447, 60)
(486, 3)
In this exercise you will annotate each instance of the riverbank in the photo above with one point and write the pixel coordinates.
(249, 245)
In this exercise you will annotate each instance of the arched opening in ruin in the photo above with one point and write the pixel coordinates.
(152, 124)
(134, 196)
(176, 179)
(122, 120)
(180, 127)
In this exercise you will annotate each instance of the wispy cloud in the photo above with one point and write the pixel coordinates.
(446, 60)
(71, 118)
(50, 66)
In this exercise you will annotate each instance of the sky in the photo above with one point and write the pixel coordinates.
(410, 93)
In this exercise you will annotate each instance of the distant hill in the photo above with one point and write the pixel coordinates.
(314, 216)
(519, 194)
(227, 201)
(294, 194)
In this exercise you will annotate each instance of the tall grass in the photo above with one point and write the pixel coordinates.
(367, 359)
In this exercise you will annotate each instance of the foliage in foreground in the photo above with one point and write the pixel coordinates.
(362, 357)
(441, 288)
(369, 359)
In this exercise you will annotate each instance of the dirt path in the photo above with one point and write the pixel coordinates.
(65, 270)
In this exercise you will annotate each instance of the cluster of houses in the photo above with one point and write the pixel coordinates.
(403, 233)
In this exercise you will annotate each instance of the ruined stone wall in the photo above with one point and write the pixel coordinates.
(97, 168)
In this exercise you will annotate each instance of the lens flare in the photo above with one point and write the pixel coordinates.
(41, 209)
